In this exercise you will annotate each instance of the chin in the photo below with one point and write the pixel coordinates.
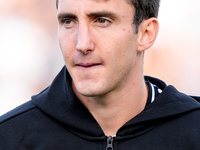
(90, 89)
(89, 93)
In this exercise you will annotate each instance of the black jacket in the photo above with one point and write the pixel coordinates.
(56, 120)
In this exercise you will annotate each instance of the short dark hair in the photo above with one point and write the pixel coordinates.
(144, 9)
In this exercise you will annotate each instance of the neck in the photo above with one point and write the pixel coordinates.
(113, 110)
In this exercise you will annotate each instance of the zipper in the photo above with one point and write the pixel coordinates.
(109, 143)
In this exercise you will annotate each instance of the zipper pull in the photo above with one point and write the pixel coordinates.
(109, 143)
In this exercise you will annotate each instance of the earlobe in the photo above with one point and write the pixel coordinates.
(147, 33)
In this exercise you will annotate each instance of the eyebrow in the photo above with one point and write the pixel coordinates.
(102, 14)
(66, 15)
(90, 15)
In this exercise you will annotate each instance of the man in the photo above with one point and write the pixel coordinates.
(101, 99)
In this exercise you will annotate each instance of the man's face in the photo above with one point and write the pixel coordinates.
(99, 44)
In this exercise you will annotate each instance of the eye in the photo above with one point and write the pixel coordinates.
(68, 23)
(103, 22)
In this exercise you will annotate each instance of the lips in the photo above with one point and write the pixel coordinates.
(88, 65)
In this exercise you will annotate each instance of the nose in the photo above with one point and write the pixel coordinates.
(85, 42)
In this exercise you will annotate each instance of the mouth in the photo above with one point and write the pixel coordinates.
(88, 65)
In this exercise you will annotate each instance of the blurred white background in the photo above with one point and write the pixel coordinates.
(30, 56)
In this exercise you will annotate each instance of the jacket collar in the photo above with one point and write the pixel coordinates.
(60, 103)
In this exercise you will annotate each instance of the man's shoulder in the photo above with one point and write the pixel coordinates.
(17, 111)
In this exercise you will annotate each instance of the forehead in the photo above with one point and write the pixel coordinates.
(67, 5)
(100, 0)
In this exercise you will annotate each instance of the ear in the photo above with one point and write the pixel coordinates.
(147, 32)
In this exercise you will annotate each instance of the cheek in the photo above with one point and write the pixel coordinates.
(123, 55)
(125, 48)
(67, 45)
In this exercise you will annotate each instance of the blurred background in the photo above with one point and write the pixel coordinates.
(30, 56)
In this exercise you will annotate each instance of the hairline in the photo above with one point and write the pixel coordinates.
(128, 1)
